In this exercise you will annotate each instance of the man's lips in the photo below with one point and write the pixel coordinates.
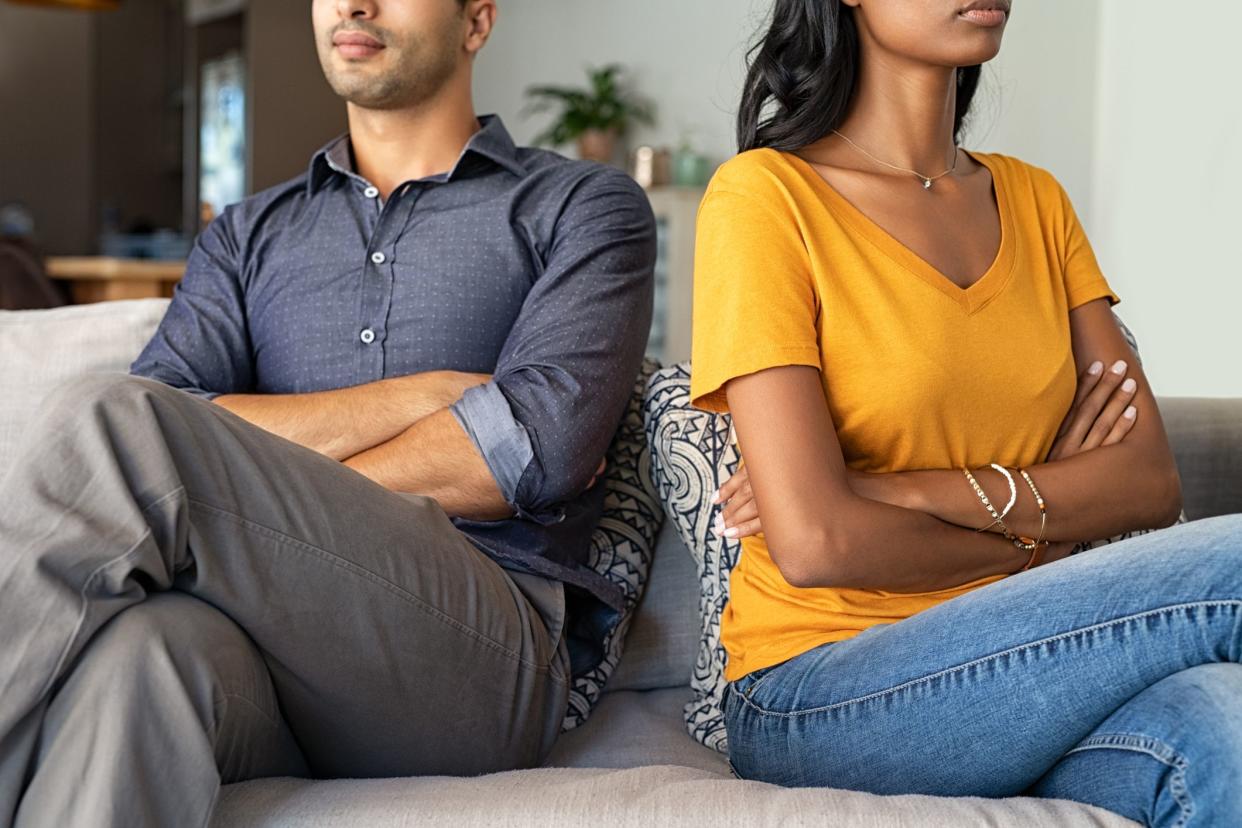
(356, 44)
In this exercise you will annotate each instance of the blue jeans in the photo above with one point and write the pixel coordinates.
(1110, 677)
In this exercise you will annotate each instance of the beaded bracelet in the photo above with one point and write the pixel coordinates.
(1027, 543)
(987, 503)
(1037, 556)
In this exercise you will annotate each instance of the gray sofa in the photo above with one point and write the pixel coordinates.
(633, 762)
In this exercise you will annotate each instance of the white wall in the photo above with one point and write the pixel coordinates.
(687, 56)
(1038, 107)
(1166, 214)
(1134, 109)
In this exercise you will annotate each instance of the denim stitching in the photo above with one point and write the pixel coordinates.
(1233, 603)
(367, 574)
(1157, 750)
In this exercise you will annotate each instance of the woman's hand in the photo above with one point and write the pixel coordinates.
(740, 516)
(1101, 414)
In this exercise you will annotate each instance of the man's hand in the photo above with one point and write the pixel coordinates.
(602, 465)
(1101, 414)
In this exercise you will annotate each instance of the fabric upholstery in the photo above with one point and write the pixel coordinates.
(41, 348)
(659, 650)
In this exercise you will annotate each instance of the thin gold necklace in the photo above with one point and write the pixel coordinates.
(927, 180)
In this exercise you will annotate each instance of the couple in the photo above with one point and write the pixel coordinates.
(334, 524)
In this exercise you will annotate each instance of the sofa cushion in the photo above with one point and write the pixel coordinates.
(623, 544)
(656, 795)
(633, 728)
(659, 650)
(691, 455)
(39, 349)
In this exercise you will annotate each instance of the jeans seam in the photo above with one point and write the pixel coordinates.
(1234, 603)
(90, 579)
(383, 583)
(1156, 749)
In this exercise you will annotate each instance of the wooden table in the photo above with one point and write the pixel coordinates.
(100, 278)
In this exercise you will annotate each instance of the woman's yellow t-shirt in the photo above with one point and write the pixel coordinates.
(918, 372)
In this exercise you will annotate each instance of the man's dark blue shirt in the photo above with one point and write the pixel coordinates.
(516, 263)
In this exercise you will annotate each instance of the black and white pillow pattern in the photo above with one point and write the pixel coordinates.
(692, 453)
(624, 541)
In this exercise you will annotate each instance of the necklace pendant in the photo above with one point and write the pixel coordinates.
(927, 183)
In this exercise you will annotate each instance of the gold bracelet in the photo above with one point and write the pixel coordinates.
(1039, 501)
(1037, 556)
(987, 504)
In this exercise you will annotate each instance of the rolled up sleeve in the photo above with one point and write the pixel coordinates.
(565, 374)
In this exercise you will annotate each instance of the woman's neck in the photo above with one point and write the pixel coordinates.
(903, 113)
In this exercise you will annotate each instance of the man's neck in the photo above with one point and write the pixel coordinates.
(398, 145)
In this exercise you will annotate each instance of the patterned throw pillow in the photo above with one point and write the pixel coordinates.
(692, 453)
(623, 543)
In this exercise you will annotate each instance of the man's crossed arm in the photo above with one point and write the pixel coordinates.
(399, 432)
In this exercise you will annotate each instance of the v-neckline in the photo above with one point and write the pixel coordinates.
(971, 299)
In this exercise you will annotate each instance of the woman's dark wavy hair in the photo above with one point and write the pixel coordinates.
(802, 76)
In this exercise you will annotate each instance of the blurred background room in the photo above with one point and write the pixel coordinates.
(125, 125)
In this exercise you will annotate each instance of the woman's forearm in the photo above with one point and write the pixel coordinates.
(876, 545)
(1095, 494)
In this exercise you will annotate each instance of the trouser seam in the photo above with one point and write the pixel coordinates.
(1156, 749)
(225, 699)
(383, 583)
(86, 585)
(1081, 631)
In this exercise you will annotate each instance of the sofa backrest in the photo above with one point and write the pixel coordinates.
(41, 348)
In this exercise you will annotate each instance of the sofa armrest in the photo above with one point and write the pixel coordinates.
(1206, 435)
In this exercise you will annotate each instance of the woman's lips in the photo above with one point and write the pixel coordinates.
(984, 17)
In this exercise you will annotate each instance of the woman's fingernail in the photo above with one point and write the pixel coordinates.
(1119, 367)
(1129, 385)
(731, 532)
(716, 496)
(1130, 413)
(1096, 367)
(718, 524)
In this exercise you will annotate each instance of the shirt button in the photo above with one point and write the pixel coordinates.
(367, 336)
(371, 192)
(378, 257)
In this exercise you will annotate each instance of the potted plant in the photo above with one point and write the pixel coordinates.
(594, 117)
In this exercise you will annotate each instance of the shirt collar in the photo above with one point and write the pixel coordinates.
(491, 142)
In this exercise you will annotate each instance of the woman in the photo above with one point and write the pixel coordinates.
(930, 394)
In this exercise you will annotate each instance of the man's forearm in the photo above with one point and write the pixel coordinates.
(1095, 494)
(435, 457)
(346, 421)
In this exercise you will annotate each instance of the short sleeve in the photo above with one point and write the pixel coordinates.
(1084, 281)
(755, 306)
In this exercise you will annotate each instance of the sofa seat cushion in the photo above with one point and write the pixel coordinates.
(654, 795)
(660, 646)
(631, 729)
(630, 763)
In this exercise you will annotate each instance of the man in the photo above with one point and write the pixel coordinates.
(349, 548)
